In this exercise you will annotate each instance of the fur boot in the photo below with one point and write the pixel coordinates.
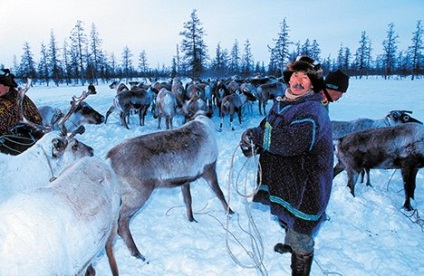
(301, 264)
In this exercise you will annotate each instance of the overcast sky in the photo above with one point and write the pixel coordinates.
(154, 25)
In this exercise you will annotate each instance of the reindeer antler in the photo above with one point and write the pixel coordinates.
(20, 103)
(74, 104)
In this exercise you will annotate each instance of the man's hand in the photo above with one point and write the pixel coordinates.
(246, 143)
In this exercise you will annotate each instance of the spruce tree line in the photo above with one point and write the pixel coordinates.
(82, 60)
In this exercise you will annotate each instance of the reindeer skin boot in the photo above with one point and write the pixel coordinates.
(301, 264)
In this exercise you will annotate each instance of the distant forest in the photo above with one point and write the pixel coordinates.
(82, 60)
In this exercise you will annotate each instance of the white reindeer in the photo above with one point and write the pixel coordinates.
(44, 160)
(166, 103)
(59, 229)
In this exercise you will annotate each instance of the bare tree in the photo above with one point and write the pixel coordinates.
(247, 60)
(96, 52)
(127, 66)
(43, 65)
(27, 65)
(315, 51)
(193, 46)
(416, 49)
(219, 64)
(235, 58)
(280, 52)
(363, 55)
(54, 60)
(79, 46)
(390, 48)
(67, 63)
(143, 64)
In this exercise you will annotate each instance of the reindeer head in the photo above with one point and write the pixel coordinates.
(64, 144)
(401, 117)
(66, 147)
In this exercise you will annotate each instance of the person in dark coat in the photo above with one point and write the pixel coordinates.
(296, 156)
(336, 84)
(14, 136)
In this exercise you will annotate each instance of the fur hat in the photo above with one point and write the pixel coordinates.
(7, 79)
(309, 66)
(337, 80)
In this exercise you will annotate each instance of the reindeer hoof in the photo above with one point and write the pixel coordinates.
(141, 257)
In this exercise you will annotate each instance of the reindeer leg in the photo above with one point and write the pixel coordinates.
(367, 172)
(140, 116)
(231, 120)
(185, 188)
(338, 168)
(409, 178)
(167, 122)
(239, 115)
(111, 109)
(220, 124)
(123, 120)
(210, 176)
(109, 251)
(90, 271)
(125, 233)
(352, 179)
(137, 201)
(260, 107)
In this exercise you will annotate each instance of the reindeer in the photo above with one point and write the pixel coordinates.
(124, 102)
(178, 90)
(268, 91)
(268, 87)
(209, 94)
(60, 228)
(219, 92)
(119, 88)
(52, 153)
(397, 147)
(232, 104)
(83, 114)
(194, 105)
(164, 159)
(166, 107)
(393, 118)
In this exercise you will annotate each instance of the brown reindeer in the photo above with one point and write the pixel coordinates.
(233, 104)
(126, 101)
(164, 159)
(398, 147)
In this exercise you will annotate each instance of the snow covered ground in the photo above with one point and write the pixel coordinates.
(366, 235)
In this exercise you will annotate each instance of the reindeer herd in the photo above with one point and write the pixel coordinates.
(77, 196)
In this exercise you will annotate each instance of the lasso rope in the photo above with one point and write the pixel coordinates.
(256, 251)
(29, 144)
(8, 138)
(414, 216)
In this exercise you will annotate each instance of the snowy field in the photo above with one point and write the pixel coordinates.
(366, 235)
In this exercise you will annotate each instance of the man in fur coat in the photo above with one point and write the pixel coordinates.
(296, 156)
(12, 141)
